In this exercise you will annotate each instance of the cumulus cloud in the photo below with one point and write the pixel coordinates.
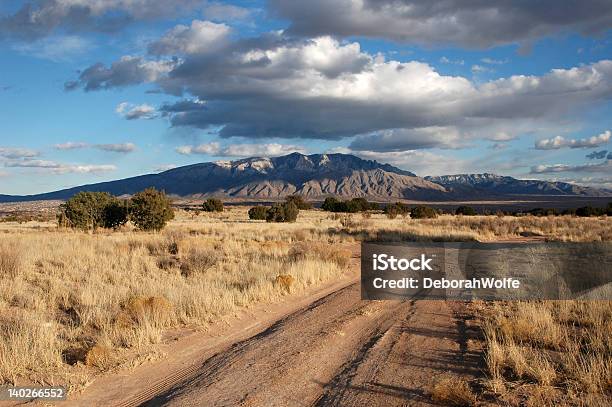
(477, 24)
(241, 150)
(605, 167)
(17, 153)
(117, 148)
(129, 70)
(274, 86)
(410, 139)
(597, 155)
(558, 142)
(133, 112)
(39, 18)
(201, 38)
(60, 168)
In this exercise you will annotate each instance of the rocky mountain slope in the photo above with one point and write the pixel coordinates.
(497, 185)
(317, 176)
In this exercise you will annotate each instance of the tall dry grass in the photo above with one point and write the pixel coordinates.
(559, 348)
(73, 303)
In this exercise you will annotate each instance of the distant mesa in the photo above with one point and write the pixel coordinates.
(316, 176)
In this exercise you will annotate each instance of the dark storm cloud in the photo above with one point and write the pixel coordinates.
(597, 155)
(474, 24)
(39, 18)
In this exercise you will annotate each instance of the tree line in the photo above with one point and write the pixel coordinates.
(152, 209)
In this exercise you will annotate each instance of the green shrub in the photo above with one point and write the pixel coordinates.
(587, 211)
(258, 212)
(299, 202)
(286, 212)
(116, 213)
(398, 208)
(351, 206)
(212, 205)
(91, 210)
(465, 210)
(329, 204)
(151, 209)
(423, 212)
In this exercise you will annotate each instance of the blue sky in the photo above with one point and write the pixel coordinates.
(93, 91)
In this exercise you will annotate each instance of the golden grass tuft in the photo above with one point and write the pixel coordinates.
(10, 261)
(99, 356)
(284, 281)
(454, 391)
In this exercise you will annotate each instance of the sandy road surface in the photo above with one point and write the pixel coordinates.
(339, 351)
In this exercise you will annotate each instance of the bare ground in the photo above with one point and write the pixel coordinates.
(339, 351)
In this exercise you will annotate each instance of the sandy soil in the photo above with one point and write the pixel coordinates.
(324, 348)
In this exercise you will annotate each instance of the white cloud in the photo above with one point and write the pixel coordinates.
(446, 60)
(117, 148)
(241, 150)
(605, 167)
(268, 150)
(133, 112)
(492, 61)
(558, 142)
(201, 38)
(480, 69)
(15, 153)
(209, 149)
(60, 168)
(70, 145)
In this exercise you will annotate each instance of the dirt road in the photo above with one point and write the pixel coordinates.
(339, 351)
(335, 350)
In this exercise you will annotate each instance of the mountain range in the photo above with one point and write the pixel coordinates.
(317, 176)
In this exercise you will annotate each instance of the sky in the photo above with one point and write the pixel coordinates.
(97, 90)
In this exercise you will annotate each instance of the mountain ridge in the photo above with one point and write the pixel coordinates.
(316, 176)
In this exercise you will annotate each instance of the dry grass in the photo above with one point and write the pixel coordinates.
(454, 391)
(73, 304)
(482, 228)
(550, 344)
